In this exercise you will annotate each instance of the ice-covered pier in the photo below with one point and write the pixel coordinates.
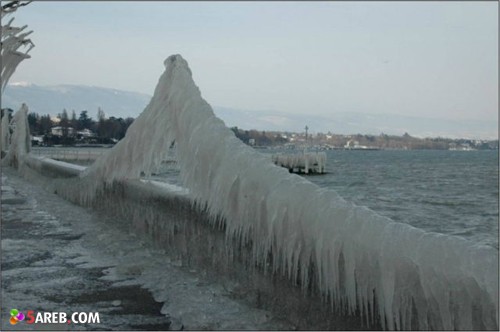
(304, 162)
(300, 251)
(86, 155)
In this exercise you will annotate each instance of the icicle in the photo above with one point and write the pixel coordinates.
(362, 260)
(20, 141)
(5, 131)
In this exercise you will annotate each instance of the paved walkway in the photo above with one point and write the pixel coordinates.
(58, 257)
(43, 269)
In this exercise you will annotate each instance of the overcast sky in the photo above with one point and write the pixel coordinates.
(434, 59)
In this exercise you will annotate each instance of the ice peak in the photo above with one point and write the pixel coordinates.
(176, 60)
(173, 58)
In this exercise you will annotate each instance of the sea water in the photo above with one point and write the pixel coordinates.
(449, 192)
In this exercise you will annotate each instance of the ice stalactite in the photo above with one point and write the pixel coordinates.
(5, 132)
(20, 144)
(307, 161)
(359, 260)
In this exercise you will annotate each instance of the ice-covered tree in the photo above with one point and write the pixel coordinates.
(15, 44)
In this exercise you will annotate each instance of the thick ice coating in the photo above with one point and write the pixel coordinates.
(307, 161)
(358, 259)
(20, 144)
(12, 42)
(4, 131)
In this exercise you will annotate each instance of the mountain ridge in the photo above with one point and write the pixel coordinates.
(54, 98)
(119, 103)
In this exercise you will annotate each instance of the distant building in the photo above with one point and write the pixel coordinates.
(351, 144)
(37, 140)
(251, 141)
(85, 133)
(58, 131)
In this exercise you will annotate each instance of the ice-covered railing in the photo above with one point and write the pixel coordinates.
(20, 142)
(307, 161)
(360, 261)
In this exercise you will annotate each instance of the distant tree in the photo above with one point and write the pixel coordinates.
(45, 124)
(127, 122)
(101, 125)
(115, 127)
(64, 117)
(84, 121)
(73, 121)
(64, 123)
(67, 137)
(100, 114)
(33, 121)
(242, 135)
(370, 138)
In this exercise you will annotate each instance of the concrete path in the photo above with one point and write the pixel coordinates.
(58, 257)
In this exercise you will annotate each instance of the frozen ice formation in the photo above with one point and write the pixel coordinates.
(5, 132)
(13, 41)
(307, 161)
(20, 142)
(360, 261)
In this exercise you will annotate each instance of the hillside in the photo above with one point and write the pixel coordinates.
(53, 99)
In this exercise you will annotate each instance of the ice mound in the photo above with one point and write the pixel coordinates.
(5, 132)
(20, 144)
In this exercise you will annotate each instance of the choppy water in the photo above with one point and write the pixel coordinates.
(450, 192)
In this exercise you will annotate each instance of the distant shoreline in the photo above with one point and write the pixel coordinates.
(330, 141)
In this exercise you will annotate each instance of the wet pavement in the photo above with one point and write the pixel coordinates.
(41, 272)
(58, 257)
